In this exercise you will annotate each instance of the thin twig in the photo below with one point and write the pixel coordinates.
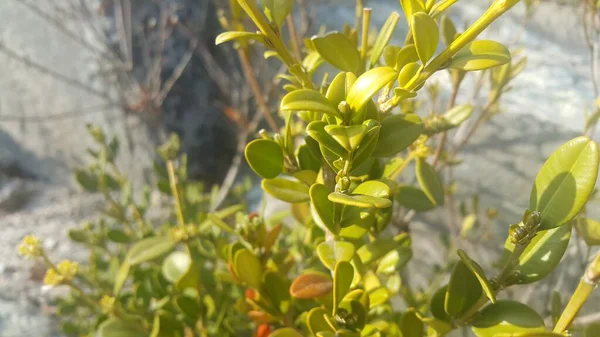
(443, 137)
(170, 82)
(294, 37)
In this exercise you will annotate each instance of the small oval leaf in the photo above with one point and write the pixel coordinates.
(426, 35)
(265, 157)
(463, 291)
(332, 252)
(342, 279)
(311, 285)
(506, 317)
(150, 249)
(321, 208)
(339, 51)
(239, 36)
(308, 100)
(247, 267)
(368, 84)
(479, 273)
(290, 191)
(480, 55)
(430, 182)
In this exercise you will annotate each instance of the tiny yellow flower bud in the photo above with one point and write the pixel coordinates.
(65, 272)
(30, 247)
(108, 304)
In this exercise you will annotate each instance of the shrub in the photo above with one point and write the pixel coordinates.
(342, 162)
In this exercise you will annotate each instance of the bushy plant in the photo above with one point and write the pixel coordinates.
(348, 165)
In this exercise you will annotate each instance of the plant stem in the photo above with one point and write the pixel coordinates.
(510, 265)
(360, 4)
(175, 192)
(366, 22)
(293, 36)
(444, 136)
(403, 166)
(580, 296)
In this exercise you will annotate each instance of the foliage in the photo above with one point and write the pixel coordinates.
(344, 162)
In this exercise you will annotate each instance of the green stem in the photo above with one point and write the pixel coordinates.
(175, 192)
(580, 296)
(498, 8)
(403, 166)
(510, 265)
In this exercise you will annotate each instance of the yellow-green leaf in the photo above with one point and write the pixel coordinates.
(339, 51)
(347, 136)
(265, 157)
(397, 133)
(430, 182)
(506, 317)
(479, 273)
(239, 36)
(426, 35)
(286, 190)
(363, 201)
(321, 208)
(407, 54)
(589, 230)
(117, 327)
(463, 291)
(411, 325)
(277, 10)
(480, 55)
(175, 266)
(316, 322)
(410, 7)
(440, 7)
(565, 182)
(414, 198)
(150, 249)
(317, 131)
(332, 252)
(368, 84)
(448, 30)
(247, 267)
(407, 73)
(308, 100)
(385, 34)
(342, 279)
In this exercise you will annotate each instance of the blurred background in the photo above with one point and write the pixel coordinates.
(142, 69)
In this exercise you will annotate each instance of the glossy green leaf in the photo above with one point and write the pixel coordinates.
(316, 322)
(408, 73)
(355, 222)
(368, 84)
(311, 285)
(429, 181)
(437, 327)
(397, 133)
(534, 334)
(332, 252)
(308, 100)
(342, 279)
(379, 296)
(363, 201)
(394, 261)
(373, 188)
(308, 177)
(239, 36)
(321, 208)
(117, 327)
(347, 136)
(464, 290)
(448, 30)
(276, 288)
(479, 273)
(408, 54)
(414, 198)
(248, 267)
(150, 249)
(317, 131)
(437, 305)
(390, 55)
(189, 306)
(411, 325)
(589, 230)
(426, 35)
(265, 157)
(306, 159)
(441, 6)
(385, 34)
(410, 7)
(377, 249)
(565, 182)
(285, 332)
(277, 10)
(507, 317)
(480, 55)
(175, 266)
(339, 51)
(542, 255)
(286, 190)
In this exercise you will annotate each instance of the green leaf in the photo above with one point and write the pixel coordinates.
(430, 182)
(411, 7)
(277, 10)
(414, 198)
(86, 180)
(308, 100)
(311, 285)
(321, 208)
(342, 279)
(437, 304)
(247, 267)
(534, 334)
(286, 190)
(426, 35)
(457, 115)
(373, 188)
(479, 273)
(397, 133)
(80, 235)
(411, 325)
(542, 255)
(407, 73)
(189, 306)
(175, 266)
(464, 290)
(121, 277)
(277, 291)
(332, 252)
(480, 55)
(378, 296)
(239, 36)
(437, 327)
(507, 317)
(317, 131)
(440, 7)
(394, 261)
(390, 55)
(339, 51)
(363, 201)
(385, 34)
(336, 93)
(375, 250)
(306, 160)
(265, 157)
(117, 327)
(589, 230)
(285, 332)
(355, 222)
(368, 84)
(347, 136)
(316, 322)
(565, 182)
(150, 249)
(408, 54)
(448, 30)
(117, 235)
